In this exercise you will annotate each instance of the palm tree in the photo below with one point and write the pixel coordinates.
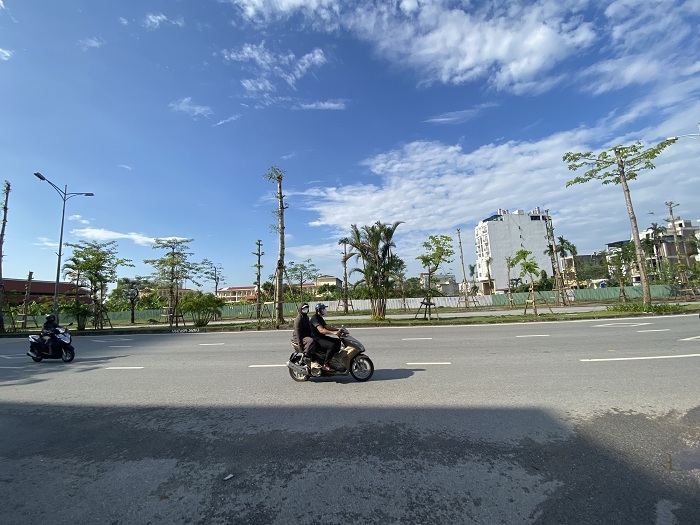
(472, 275)
(373, 245)
(568, 248)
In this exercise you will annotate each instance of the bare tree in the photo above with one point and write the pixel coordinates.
(276, 175)
(6, 192)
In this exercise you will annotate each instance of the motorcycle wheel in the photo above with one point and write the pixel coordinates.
(297, 376)
(68, 355)
(361, 368)
(36, 359)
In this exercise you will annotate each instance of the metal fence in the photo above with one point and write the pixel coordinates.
(248, 311)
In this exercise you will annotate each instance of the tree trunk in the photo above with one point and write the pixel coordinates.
(279, 289)
(639, 251)
(2, 242)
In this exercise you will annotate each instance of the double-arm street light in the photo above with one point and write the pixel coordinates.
(64, 197)
(694, 136)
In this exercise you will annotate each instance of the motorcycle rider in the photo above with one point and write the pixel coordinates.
(321, 333)
(302, 331)
(47, 331)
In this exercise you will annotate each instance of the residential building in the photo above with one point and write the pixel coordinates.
(664, 244)
(499, 237)
(247, 294)
(584, 271)
(446, 284)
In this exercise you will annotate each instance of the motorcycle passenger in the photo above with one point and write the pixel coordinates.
(321, 333)
(302, 331)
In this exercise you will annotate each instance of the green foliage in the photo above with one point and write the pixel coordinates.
(373, 246)
(202, 306)
(438, 251)
(173, 268)
(636, 307)
(619, 165)
(81, 312)
(300, 273)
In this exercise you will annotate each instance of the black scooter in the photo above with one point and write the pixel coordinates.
(58, 346)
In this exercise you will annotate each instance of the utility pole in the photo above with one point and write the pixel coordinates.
(465, 285)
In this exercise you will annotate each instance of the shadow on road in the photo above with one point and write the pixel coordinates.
(356, 464)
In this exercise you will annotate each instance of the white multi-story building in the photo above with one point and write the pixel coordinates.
(499, 237)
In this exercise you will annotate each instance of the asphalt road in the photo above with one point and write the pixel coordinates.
(577, 422)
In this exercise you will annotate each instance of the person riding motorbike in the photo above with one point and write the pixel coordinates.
(321, 333)
(47, 331)
(302, 331)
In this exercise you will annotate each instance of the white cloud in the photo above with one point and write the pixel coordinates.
(153, 21)
(78, 218)
(184, 105)
(230, 119)
(45, 242)
(458, 117)
(325, 105)
(517, 46)
(5, 54)
(124, 166)
(90, 43)
(269, 66)
(123, 21)
(102, 235)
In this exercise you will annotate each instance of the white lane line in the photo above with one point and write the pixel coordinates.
(211, 344)
(7, 357)
(416, 339)
(264, 366)
(533, 335)
(119, 346)
(691, 338)
(639, 358)
(112, 340)
(619, 324)
(123, 368)
(11, 367)
(657, 330)
(433, 363)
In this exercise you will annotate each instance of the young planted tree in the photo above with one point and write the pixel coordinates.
(173, 269)
(301, 273)
(529, 268)
(619, 165)
(203, 307)
(6, 193)
(213, 273)
(276, 175)
(373, 246)
(438, 250)
(127, 294)
(94, 263)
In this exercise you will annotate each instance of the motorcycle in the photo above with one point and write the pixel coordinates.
(351, 359)
(57, 347)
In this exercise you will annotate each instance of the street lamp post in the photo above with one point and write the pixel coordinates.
(694, 136)
(64, 197)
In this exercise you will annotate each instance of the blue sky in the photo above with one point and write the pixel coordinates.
(435, 113)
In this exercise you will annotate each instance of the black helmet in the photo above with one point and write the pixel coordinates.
(320, 306)
(50, 318)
